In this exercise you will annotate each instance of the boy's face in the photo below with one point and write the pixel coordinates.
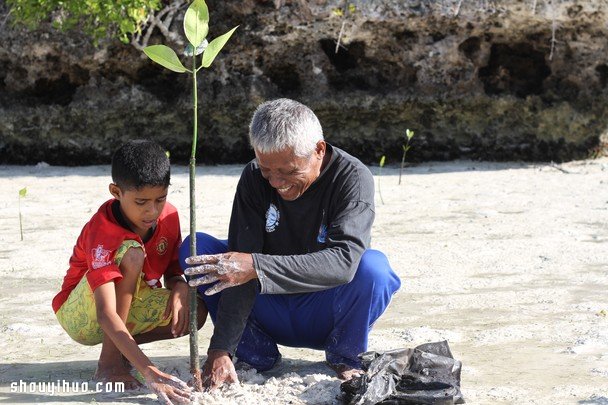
(141, 208)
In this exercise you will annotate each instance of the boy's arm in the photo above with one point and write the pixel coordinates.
(106, 301)
(114, 326)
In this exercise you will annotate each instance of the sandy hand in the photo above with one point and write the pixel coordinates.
(168, 388)
(218, 369)
(227, 269)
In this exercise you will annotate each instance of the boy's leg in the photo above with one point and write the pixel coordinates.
(145, 320)
(111, 365)
(164, 332)
(256, 348)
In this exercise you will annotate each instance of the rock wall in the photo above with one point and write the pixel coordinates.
(474, 79)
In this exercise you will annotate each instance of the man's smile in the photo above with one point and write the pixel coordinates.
(284, 190)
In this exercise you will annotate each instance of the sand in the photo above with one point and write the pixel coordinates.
(507, 261)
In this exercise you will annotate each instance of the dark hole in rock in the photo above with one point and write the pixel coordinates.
(347, 57)
(53, 91)
(286, 78)
(437, 36)
(404, 35)
(353, 80)
(517, 69)
(470, 47)
(602, 71)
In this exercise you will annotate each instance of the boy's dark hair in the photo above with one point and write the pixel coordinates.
(140, 163)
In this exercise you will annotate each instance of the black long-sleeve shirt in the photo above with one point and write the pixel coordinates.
(310, 244)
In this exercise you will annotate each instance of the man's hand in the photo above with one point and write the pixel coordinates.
(177, 308)
(169, 389)
(228, 269)
(218, 369)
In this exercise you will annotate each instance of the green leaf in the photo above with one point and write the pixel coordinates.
(23, 192)
(352, 8)
(165, 56)
(409, 134)
(215, 47)
(196, 22)
(382, 159)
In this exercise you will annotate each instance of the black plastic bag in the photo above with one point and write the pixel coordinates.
(427, 374)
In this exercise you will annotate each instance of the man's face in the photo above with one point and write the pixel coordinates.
(141, 208)
(289, 174)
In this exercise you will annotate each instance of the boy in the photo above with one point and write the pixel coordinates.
(111, 293)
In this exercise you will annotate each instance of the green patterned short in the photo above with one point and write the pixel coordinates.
(78, 315)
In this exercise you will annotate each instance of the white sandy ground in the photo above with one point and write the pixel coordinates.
(507, 261)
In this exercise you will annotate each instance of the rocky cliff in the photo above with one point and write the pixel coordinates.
(498, 80)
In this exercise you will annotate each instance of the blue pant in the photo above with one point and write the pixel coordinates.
(336, 320)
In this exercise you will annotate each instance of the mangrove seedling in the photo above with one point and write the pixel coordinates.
(22, 194)
(409, 135)
(196, 28)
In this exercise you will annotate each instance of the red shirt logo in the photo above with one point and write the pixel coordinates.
(101, 257)
(162, 245)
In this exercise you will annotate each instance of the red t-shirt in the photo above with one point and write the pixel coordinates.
(100, 239)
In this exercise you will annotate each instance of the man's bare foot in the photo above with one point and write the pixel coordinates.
(119, 373)
(345, 372)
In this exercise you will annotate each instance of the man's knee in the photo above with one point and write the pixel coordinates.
(375, 271)
(205, 245)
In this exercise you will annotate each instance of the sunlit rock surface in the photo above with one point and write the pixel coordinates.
(490, 80)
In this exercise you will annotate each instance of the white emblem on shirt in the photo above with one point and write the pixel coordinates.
(272, 218)
(101, 257)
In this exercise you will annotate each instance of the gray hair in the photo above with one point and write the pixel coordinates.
(283, 124)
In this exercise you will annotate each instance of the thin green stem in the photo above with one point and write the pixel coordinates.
(195, 367)
(195, 104)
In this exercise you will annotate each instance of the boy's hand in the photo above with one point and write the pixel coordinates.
(177, 308)
(228, 269)
(168, 388)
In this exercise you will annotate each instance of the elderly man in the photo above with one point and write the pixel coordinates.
(296, 269)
